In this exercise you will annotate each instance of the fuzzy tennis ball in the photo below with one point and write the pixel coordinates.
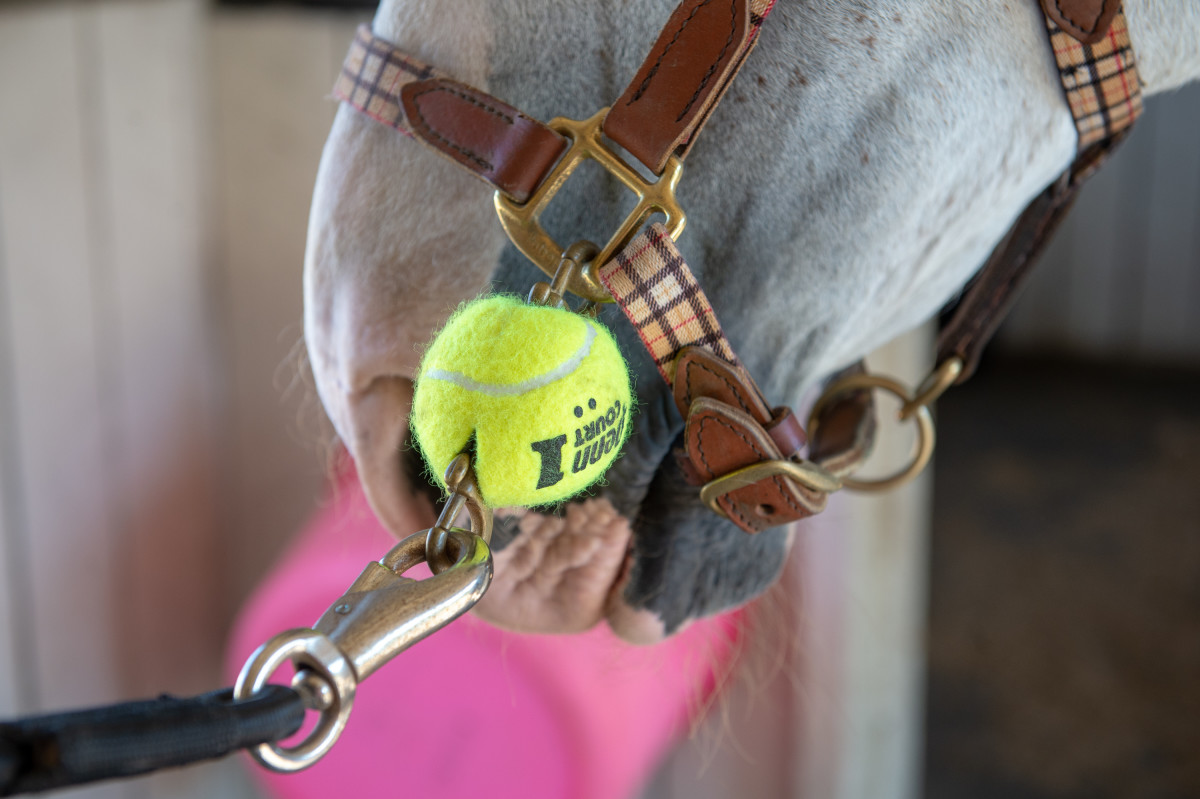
(543, 393)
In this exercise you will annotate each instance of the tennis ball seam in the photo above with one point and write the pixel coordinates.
(565, 369)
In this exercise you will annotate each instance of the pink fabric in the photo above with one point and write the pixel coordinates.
(474, 709)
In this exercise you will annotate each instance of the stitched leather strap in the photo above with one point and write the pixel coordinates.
(986, 301)
(687, 71)
(497, 142)
(1087, 21)
(1104, 93)
(677, 87)
(493, 140)
(729, 427)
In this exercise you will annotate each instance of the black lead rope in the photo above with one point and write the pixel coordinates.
(43, 753)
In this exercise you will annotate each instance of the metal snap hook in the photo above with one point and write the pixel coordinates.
(380, 615)
(572, 263)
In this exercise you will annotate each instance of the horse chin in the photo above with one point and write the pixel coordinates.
(567, 572)
(555, 573)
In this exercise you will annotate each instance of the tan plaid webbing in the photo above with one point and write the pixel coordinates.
(372, 76)
(1101, 80)
(661, 297)
(758, 12)
(657, 291)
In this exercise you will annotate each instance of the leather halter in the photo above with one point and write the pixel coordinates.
(748, 455)
(1095, 61)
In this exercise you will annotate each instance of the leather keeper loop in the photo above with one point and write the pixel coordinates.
(787, 432)
(490, 138)
(845, 436)
(721, 439)
(730, 427)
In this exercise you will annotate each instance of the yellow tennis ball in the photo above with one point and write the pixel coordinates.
(542, 393)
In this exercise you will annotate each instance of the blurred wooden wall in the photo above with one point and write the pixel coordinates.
(158, 445)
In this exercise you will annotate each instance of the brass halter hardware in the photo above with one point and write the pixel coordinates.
(933, 386)
(571, 264)
(916, 408)
(464, 495)
(522, 221)
(807, 474)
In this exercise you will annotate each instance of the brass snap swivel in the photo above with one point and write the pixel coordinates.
(574, 260)
(464, 495)
(319, 663)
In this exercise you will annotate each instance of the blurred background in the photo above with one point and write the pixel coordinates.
(159, 443)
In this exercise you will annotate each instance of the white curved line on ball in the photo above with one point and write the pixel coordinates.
(544, 379)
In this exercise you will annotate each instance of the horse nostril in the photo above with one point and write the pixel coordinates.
(765, 510)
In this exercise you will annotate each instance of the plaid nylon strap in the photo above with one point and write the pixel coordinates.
(1100, 80)
(372, 76)
(658, 292)
(758, 12)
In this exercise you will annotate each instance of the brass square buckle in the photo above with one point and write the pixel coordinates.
(521, 221)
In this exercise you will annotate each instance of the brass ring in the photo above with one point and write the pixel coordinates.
(926, 437)
(306, 649)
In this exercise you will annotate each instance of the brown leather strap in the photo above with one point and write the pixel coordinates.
(1102, 88)
(971, 323)
(729, 427)
(497, 142)
(678, 84)
(844, 436)
(1086, 20)
(989, 296)
(721, 439)
(700, 373)
(493, 140)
